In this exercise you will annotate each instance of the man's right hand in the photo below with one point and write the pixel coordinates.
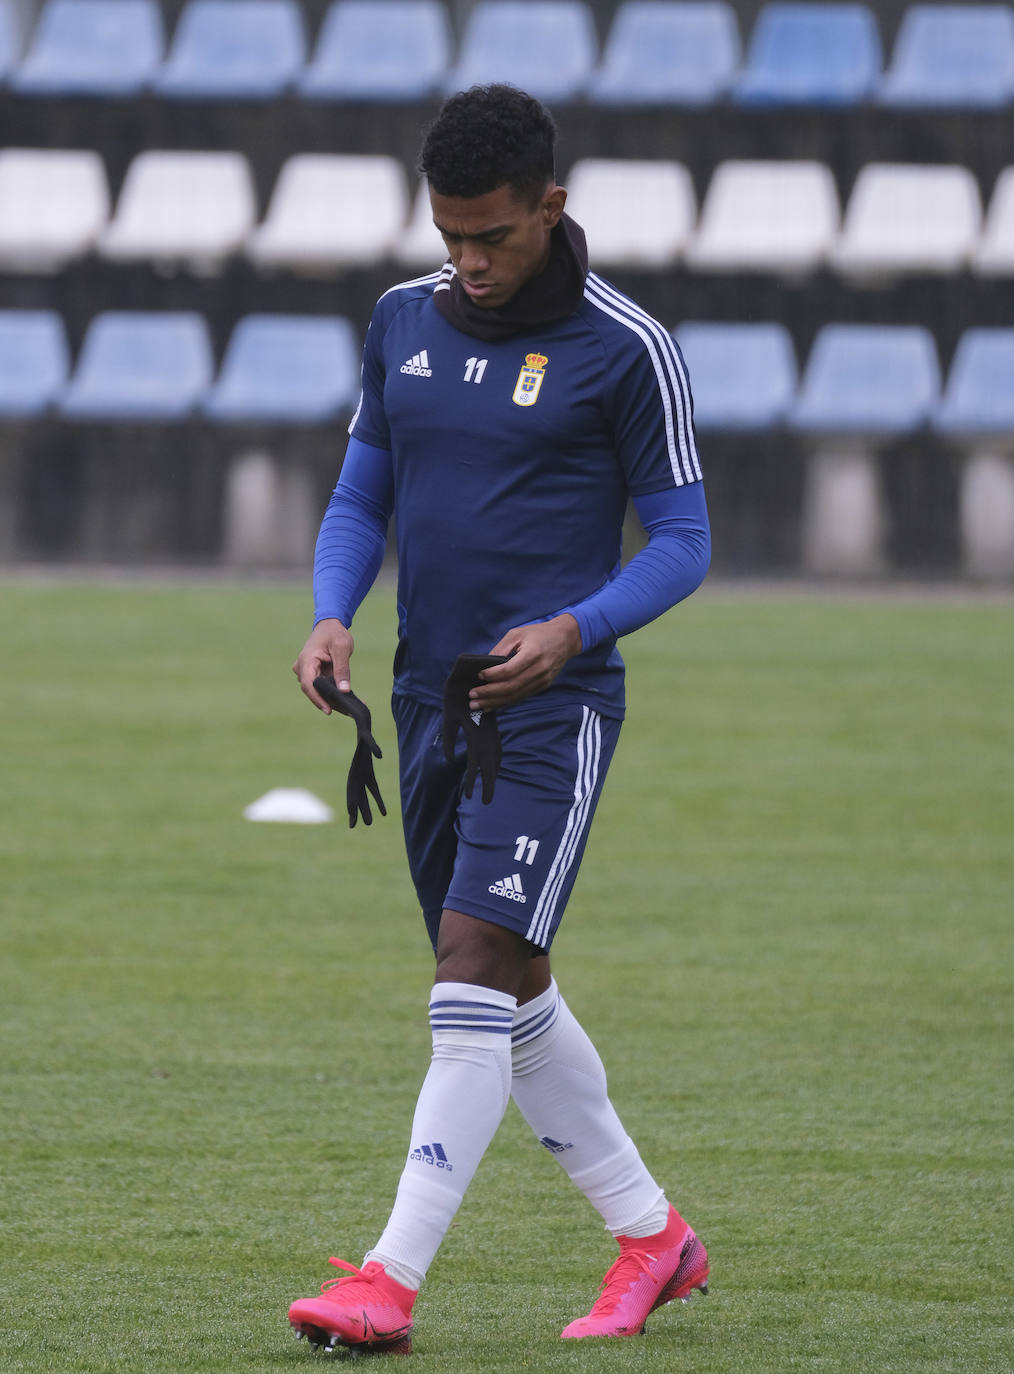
(326, 652)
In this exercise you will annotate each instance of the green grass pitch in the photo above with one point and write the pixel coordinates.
(791, 941)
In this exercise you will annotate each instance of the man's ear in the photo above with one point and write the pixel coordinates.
(552, 205)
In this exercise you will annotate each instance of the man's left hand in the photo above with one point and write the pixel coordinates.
(538, 652)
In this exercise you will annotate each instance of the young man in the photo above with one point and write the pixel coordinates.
(511, 402)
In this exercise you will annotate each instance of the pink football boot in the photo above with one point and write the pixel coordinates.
(651, 1271)
(366, 1311)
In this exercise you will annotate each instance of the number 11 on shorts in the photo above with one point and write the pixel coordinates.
(525, 850)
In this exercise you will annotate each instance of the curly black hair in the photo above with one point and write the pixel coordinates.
(490, 136)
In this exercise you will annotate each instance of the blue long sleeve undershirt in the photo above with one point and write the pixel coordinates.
(353, 534)
(671, 565)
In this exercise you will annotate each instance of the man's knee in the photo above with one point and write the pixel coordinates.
(470, 950)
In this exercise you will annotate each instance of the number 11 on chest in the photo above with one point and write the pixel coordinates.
(474, 368)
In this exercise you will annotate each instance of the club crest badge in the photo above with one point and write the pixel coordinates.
(526, 391)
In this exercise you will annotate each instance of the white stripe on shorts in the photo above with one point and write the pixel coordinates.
(589, 750)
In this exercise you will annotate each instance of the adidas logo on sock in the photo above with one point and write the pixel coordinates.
(510, 888)
(555, 1146)
(418, 365)
(433, 1155)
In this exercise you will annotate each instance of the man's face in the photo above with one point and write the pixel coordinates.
(497, 241)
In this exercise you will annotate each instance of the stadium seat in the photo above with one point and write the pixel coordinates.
(33, 361)
(421, 244)
(903, 217)
(979, 397)
(196, 208)
(667, 52)
(385, 50)
(811, 54)
(332, 210)
(994, 255)
(743, 375)
(600, 193)
(548, 49)
(10, 38)
(103, 48)
(53, 204)
(140, 366)
(766, 217)
(229, 49)
(978, 410)
(287, 369)
(862, 385)
(952, 55)
(868, 379)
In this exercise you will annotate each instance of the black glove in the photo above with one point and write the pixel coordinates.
(362, 779)
(482, 738)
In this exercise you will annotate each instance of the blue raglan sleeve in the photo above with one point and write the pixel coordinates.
(651, 413)
(369, 423)
(650, 408)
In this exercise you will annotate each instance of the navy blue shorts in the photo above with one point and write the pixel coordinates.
(514, 861)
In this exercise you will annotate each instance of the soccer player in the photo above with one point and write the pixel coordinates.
(511, 402)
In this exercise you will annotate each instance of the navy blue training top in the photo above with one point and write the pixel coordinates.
(512, 463)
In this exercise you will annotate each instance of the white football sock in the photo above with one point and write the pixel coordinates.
(560, 1086)
(461, 1103)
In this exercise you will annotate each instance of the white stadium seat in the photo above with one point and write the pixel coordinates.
(53, 205)
(995, 253)
(421, 245)
(904, 217)
(182, 207)
(601, 192)
(766, 217)
(332, 210)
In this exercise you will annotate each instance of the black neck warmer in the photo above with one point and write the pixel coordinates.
(554, 294)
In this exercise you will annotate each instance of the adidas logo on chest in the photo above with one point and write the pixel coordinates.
(418, 365)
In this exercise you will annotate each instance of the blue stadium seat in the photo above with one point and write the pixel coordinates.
(10, 38)
(743, 376)
(227, 49)
(33, 361)
(980, 385)
(389, 50)
(287, 369)
(93, 47)
(863, 379)
(666, 52)
(548, 49)
(811, 54)
(140, 366)
(952, 55)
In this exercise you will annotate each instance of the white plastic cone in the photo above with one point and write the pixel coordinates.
(293, 804)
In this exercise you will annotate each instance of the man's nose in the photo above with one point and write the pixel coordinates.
(474, 259)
